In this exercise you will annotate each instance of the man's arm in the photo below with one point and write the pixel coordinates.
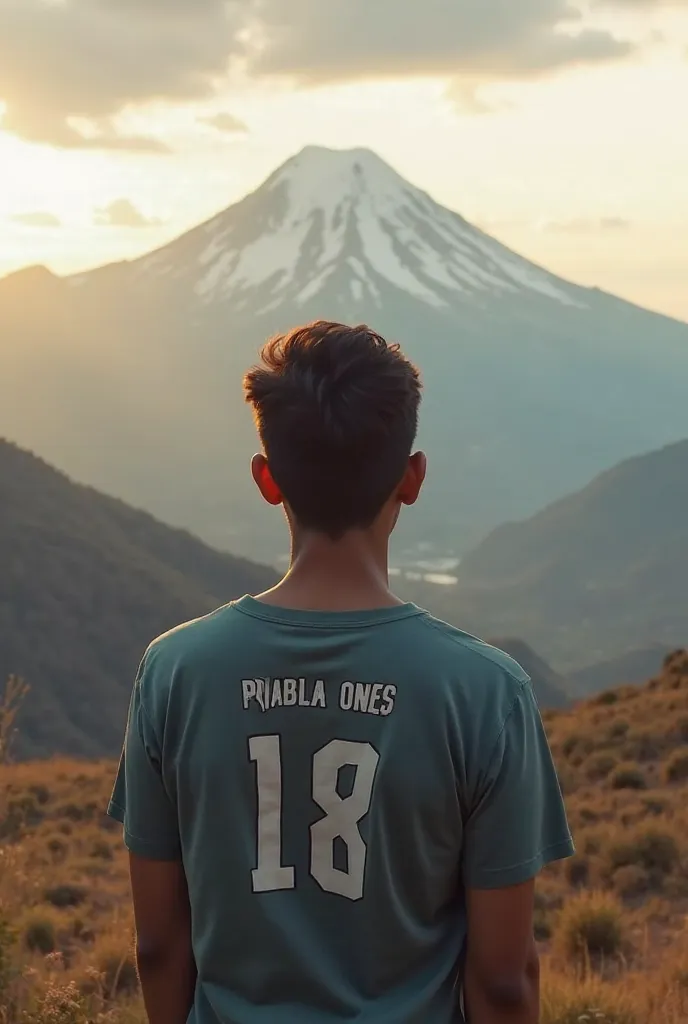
(163, 938)
(516, 825)
(145, 806)
(502, 976)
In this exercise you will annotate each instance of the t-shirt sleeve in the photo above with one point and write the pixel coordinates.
(140, 800)
(518, 822)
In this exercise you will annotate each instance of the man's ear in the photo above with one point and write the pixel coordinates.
(411, 485)
(260, 472)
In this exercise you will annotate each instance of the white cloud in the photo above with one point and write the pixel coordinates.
(37, 219)
(583, 225)
(93, 59)
(122, 213)
(226, 123)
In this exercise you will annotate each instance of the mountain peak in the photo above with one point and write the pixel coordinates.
(323, 161)
(344, 225)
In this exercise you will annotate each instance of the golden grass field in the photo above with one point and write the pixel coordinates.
(612, 922)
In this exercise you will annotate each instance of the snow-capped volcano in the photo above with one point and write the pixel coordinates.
(345, 214)
(532, 385)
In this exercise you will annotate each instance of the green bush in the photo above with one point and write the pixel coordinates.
(8, 939)
(628, 776)
(102, 849)
(655, 806)
(40, 934)
(590, 927)
(576, 743)
(676, 768)
(642, 746)
(41, 792)
(630, 881)
(116, 965)
(655, 851)
(65, 895)
(577, 871)
(599, 767)
(57, 847)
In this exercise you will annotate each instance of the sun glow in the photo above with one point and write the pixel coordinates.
(586, 147)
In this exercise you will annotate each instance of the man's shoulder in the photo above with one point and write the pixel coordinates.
(472, 664)
(466, 650)
(191, 640)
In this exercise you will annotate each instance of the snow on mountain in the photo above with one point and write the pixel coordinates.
(345, 212)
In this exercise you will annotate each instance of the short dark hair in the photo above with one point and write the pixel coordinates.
(336, 408)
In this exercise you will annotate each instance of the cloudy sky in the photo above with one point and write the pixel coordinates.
(560, 126)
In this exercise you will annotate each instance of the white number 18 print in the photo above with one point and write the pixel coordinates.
(341, 820)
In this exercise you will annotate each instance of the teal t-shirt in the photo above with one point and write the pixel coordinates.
(333, 782)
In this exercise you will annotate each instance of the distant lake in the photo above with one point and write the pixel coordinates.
(436, 571)
(440, 579)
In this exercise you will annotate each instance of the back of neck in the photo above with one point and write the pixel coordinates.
(347, 575)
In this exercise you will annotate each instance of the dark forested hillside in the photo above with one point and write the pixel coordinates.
(594, 576)
(85, 583)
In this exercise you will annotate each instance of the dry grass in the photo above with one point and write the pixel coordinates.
(611, 922)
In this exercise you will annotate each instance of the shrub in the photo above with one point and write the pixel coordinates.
(116, 964)
(641, 746)
(65, 895)
(651, 849)
(592, 844)
(7, 941)
(102, 849)
(608, 697)
(590, 927)
(21, 812)
(577, 871)
(41, 792)
(546, 904)
(628, 776)
(81, 931)
(618, 729)
(57, 847)
(60, 1004)
(653, 805)
(599, 767)
(576, 744)
(542, 926)
(40, 933)
(72, 811)
(676, 768)
(630, 880)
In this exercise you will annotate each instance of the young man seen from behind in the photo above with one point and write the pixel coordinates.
(335, 804)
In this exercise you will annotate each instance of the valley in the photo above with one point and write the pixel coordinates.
(88, 582)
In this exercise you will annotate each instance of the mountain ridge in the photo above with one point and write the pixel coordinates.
(86, 583)
(591, 577)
